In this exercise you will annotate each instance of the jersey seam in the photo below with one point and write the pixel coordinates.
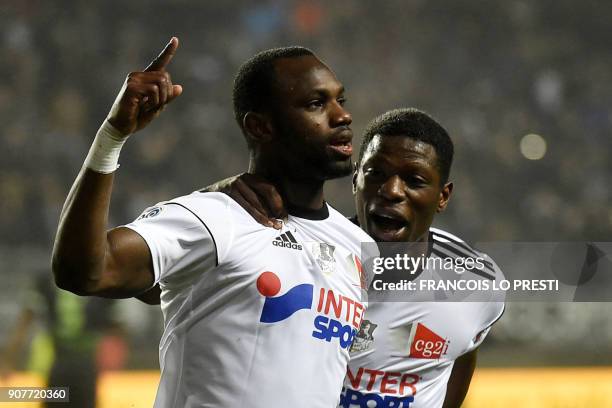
(205, 226)
(230, 219)
(500, 314)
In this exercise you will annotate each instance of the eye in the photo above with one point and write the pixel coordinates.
(415, 182)
(373, 173)
(315, 104)
(341, 101)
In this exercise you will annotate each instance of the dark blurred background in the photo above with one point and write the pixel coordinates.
(524, 88)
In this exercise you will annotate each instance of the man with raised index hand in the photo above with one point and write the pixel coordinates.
(407, 354)
(251, 317)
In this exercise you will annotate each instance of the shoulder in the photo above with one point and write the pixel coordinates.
(443, 235)
(448, 245)
(186, 206)
(188, 221)
(216, 208)
(198, 201)
(205, 210)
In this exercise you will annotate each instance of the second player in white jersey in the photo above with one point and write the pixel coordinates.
(253, 316)
(404, 352)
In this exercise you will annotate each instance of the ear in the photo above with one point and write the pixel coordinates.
(355, 171)
(257, 127)
(445, 194)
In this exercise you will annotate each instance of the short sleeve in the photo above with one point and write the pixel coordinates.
(182, 245)
(492, 310)
(495, 312)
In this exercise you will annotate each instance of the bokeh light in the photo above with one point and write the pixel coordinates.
(533, 147)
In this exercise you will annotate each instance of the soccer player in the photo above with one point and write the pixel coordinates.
(407, 354)
(252, 316)
(423, 353)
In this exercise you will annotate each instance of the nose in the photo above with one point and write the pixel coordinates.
(340, 116)
(393, 189)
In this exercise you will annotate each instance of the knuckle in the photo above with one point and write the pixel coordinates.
(132, 88)
(241, 201)
(278, 205)
(268, 188)
(234, 193)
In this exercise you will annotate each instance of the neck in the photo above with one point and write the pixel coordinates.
(417, 251)
(420, 246)
(301, 193)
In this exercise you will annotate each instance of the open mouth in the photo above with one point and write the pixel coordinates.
(388, 223)
(343, 148)
(387, 226)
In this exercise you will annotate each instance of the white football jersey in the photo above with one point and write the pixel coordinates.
(404, 352)
(253, 316)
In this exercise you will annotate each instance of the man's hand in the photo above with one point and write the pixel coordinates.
(256, 195)
(145, 94)
(87, 259)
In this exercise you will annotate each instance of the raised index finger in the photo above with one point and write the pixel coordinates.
(164, 57)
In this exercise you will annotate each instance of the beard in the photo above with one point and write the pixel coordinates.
(302, 158)
(314, 165)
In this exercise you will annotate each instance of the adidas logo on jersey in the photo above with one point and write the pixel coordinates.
(286, 240)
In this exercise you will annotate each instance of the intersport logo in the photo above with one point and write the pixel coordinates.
(337, 316)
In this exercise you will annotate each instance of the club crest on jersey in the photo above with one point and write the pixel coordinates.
(324, 256)
(425, 343)
(364, 337)
(286, 240)
(150, 212)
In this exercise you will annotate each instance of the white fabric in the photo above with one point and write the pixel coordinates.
(215, 351)
(404, 353)
(103, 156)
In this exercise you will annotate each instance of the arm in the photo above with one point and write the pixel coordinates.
(88, 259)
(459, 381)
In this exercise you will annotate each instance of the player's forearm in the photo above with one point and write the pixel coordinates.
(80, 244)
(86, 259)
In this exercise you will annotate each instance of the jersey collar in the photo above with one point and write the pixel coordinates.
(308, 213)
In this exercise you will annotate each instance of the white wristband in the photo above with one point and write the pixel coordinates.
(104, 152)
